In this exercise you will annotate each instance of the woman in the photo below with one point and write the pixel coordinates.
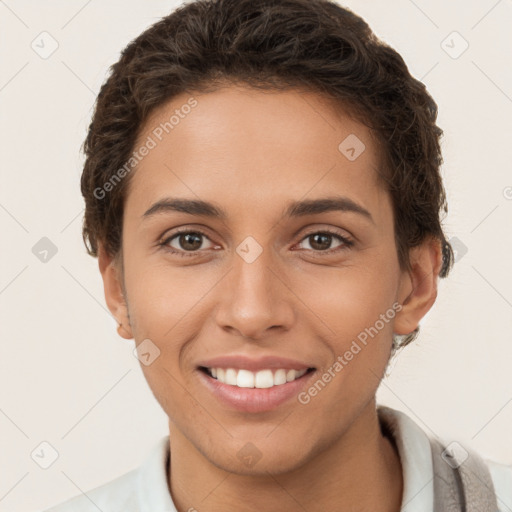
(263, 195)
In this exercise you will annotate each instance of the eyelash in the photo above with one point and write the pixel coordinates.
(163, 244)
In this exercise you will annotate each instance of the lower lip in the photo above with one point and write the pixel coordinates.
(254, 399)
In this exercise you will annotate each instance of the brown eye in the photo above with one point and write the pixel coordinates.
(321, 241)
(190, 241)
(184, 243)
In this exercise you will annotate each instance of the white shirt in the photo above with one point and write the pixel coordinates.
(145, 488)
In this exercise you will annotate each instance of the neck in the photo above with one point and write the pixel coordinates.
(359, 471)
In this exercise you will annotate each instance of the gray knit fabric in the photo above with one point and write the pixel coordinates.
(461, 484)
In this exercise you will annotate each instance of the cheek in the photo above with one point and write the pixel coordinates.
(352, 298)
(169, 389)
(358, 310)
(162, 299)
(356, 303)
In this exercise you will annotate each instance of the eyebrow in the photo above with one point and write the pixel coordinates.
(294, 209)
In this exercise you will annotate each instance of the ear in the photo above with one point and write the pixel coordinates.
(111, 274)
(418, 288)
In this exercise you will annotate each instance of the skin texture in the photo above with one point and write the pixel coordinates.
(251, 153)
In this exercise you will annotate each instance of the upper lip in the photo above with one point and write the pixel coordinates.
(254, 364)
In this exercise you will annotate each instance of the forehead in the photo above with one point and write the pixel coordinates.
(262, 146)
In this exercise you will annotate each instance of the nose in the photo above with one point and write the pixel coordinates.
(255, 301)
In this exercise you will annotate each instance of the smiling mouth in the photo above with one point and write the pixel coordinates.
(261, 379)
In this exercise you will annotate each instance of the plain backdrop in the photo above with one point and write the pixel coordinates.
(68, 379)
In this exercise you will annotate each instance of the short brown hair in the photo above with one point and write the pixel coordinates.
(271, 44)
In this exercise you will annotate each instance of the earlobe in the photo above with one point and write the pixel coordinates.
(124, 333)
(113, 289)
(418, 288)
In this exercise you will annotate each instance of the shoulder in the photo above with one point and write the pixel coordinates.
(501, 475)
(415, 449)
(143, 489)
(118, 494)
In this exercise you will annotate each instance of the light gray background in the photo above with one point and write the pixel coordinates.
(67, 378)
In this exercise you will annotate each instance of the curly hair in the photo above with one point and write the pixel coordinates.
(271, 44)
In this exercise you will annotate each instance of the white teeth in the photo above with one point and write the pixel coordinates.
(231, 376)
(261, 379)
(280, 377)
(290, 375)
(244, 379)
(264, 379)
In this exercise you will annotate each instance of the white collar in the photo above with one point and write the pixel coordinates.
(415, 456)
(152, 487)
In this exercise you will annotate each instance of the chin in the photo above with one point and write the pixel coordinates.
(258, 458)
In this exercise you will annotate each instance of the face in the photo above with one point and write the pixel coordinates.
(284, 261)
